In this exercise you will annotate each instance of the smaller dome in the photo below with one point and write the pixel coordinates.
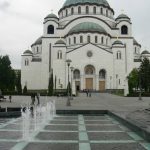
(51, 16)
(28, 52)
(136, 43)
(145, 52)
(117, 43)
(60, 42)
(37, 42)
(122, 16)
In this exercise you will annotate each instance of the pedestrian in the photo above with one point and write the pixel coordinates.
(38, 98)
(10, 98)
(32, 99)
(87, 92)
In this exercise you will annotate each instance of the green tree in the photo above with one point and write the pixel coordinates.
(50, 86)
(133, 80)
(7, 74)
(18, 83)
(145, 74)
(25, 90)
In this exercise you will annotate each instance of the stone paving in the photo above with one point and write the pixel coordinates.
(81, 132)
(73, 133)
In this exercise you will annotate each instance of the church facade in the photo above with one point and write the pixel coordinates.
(101, 49)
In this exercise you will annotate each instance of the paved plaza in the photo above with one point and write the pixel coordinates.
(98, 101)
(76, 132)
(79, 132)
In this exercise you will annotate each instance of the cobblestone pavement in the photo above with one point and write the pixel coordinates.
(72, 133)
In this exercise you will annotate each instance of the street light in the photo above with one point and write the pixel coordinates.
(72, 69)
(68, 61)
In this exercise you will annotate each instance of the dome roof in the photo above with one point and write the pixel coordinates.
(122, 16)
(51, 16)
(87, 27)
(145, 52)
(74, 2)
(60, 42)
(136, 43)
(37, 42)
(117, 42)
(27, 52)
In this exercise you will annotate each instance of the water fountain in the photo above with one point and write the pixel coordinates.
(34, 118)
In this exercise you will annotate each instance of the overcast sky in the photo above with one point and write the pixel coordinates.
(21, 23)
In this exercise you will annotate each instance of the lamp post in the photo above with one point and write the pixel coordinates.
(72, 69)
(140, 93)
(68, 61)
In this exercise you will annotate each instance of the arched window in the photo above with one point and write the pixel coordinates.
(50, 29)
(106, 41)
(69, 41)
(87, 9)
(74, 40)
(26, 62)
(76, 74)
(94, 10)
(124, 29)
(89, 70)
(106, 13)
(118, 55)
(37, 49)
(79, 10)
(102, 40)
(102, 11)
(102, 74)
(96, 39)
(66, 12)
(88, 39)
(81, 39)
(72, 11)
(135, 50)
(59, 55)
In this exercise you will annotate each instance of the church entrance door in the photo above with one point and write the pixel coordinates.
(102, 86)
(89, 83)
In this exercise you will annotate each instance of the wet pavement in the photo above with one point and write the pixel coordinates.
(78, 132)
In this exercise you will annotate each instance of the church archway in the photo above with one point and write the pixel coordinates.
(89, 77)
(102, 80)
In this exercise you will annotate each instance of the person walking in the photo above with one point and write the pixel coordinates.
(87, 92)
(32, 99)
(10, 97)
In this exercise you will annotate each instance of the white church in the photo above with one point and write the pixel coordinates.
(100, 48)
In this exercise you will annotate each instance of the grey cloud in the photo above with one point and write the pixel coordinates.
(4, 5)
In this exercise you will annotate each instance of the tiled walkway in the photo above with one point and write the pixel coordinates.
(73, 133)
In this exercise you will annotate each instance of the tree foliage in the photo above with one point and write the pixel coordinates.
(7, 74)
(18, 83)
(50, 86)
(133, 80)
(25, 90)
(140, 78)
(145, 74)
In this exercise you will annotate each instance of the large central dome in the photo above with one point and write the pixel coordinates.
(74, 2)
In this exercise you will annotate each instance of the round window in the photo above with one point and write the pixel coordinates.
(89, 54)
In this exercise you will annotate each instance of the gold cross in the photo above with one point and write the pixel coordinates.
(51, 10)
